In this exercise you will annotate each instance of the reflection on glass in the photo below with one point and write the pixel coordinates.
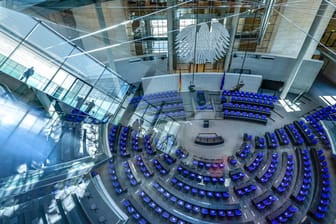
(79, 90)
(60, 84)
(53, 46)
(6, 47)
(18, 24)
(84, 66)
(60, 69)
(25, 57)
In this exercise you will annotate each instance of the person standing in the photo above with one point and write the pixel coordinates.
(27, 74)
(90, 106)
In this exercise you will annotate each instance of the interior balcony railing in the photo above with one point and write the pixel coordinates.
(61, 69)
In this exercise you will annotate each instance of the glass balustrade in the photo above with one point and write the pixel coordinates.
(61, 69)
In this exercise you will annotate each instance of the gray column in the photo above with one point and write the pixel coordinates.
(171, 35)
(102, 25)
(234, 27)
(308, 40)
(265, 20)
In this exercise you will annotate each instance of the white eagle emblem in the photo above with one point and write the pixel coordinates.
(211, 44)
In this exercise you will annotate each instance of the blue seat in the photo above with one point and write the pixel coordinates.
(188, 206)
(204, 211)
(165, 215)
(158, 210)
(180, 203)
(201, 193)
(213, 213)
(210, 194)
(221, 213)
(225, 194)
(173, 219)
(196, 209)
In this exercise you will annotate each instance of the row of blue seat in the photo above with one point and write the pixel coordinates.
(314, 123)
(118, 188)
(199, 177)
(129, 174)
(286, 173)
(168, 159)
(306, 132)
(260, 142)
(236, 175)
(245, 150)
(294, 134)
(166, 215)
(303, 183)
(180, 185)
(271, 140)
(143, 167)
(265, 176)
(253, 164)
(162, 170)
(252, 101)
(148, 146)
(323, 114)
(208, 165)
(282, 136)
(181, 153)
(112, 137)
(247, 108)
(250, 95)
(321, 198)
(245, 189)
(131, 210)
(245, 116)
(264, 201)
(283, 214)
(135, 142)
(206, 212)
(123, 141)
(204, 107)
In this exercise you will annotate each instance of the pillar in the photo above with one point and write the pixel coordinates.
(234, 27)
(171, 35)
(306, 44)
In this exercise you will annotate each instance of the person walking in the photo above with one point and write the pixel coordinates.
(27, 74)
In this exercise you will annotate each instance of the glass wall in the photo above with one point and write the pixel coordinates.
(60, 69)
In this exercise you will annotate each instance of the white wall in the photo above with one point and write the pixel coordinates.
(275, 67)
(133, 69)
(288, 39)
(203, 81)
(268, 66)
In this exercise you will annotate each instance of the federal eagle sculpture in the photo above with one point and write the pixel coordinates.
(211, 43)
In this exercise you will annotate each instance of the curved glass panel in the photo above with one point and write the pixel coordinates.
(26, 57)
(84, 66)
(6, 47)
(53, 46)
(18, 24)
(77, 93)
(60, 84)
